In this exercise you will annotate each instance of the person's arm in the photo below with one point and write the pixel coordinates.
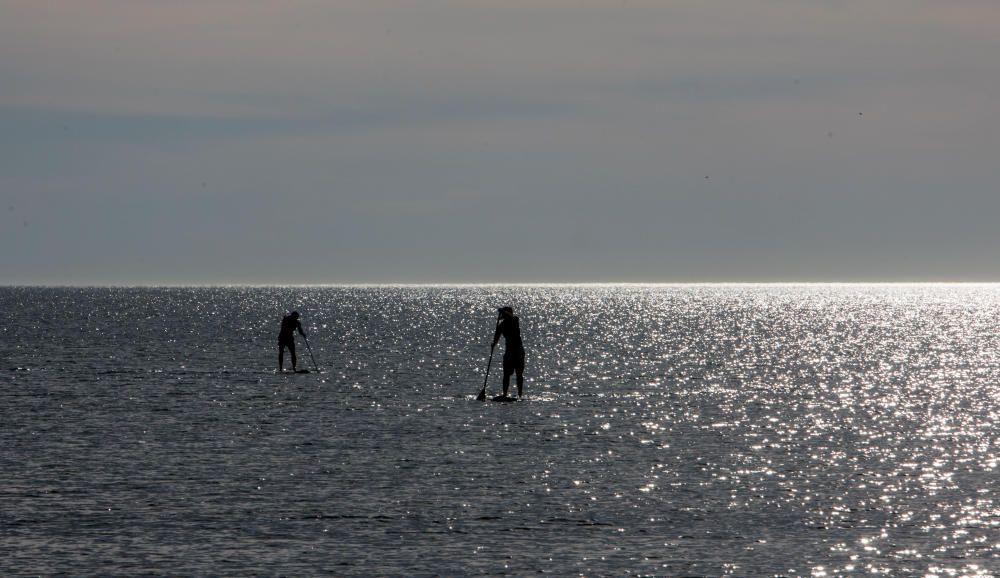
(496, 335)
(299, 325)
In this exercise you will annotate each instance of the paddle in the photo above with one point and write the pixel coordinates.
(316, 367)
(482, 394)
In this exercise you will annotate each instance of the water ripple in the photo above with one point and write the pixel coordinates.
(742, 430)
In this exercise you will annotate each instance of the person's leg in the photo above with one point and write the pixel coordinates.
(281, 357)
(520, 376)
(507, 371)
(291, 351)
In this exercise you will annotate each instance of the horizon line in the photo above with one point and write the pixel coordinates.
(482, 284)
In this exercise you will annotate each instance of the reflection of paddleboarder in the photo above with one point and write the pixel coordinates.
(513, 354)
(286, 338)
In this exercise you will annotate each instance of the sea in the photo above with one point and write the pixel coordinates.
(665, 430)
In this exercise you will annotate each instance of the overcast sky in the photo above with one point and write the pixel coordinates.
(353, 141)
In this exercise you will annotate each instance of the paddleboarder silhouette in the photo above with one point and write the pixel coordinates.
(513, 355)
(286, 338)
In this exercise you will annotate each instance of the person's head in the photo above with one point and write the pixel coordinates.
(507, 311)
(295, 314)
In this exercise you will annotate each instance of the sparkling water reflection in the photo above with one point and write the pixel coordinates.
(702, 430)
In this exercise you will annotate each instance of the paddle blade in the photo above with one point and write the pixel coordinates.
(481, 396)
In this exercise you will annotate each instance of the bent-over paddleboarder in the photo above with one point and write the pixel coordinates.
(286, 338)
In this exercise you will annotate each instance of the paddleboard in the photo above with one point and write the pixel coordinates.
(504, 398)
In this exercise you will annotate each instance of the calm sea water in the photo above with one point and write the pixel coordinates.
(669, 430)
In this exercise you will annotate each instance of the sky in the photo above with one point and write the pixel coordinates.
(516, 141)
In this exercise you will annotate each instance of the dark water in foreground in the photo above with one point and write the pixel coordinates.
(671, 430)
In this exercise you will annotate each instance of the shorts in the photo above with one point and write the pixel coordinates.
(513, 361)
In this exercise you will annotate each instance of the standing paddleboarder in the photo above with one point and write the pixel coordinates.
(513, 354)
(286, 338)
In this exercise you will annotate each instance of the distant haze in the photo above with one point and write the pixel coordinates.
(301, 141)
